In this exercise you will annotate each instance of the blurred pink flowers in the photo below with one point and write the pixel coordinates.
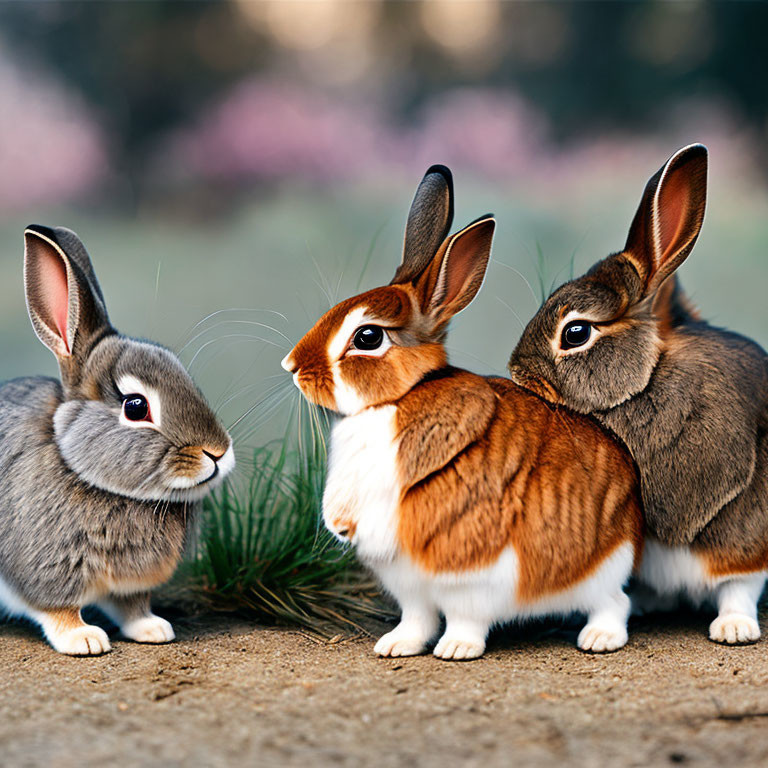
(51, 149)
(494, 133)
(265, 130)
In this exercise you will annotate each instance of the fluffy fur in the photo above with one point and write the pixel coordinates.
(467, 496)
(95, 507)
(689, 400)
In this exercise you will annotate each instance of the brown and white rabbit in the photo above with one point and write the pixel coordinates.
(689, 400)
(467, 496)
(101, 473)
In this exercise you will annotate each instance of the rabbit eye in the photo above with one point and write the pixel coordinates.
(135, 407)
(575, 334)
(368, 337)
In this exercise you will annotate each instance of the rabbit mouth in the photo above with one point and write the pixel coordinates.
(208, 479)
(198, 490)
(186, 487)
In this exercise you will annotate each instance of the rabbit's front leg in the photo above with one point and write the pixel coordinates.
(469, 608)
(463, 639)
(68, 633)
(736, 621)
(133, 615)
(418, 624)
(606, 627)
(419, 619)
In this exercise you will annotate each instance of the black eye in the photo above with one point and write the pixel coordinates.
(368, 337)
(575, 334)
(135, 407)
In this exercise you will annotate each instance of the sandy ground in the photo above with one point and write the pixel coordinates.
(229, 693)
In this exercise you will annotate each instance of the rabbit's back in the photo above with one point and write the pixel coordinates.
(736, 540)
(63, 541)
(697, 433)
(27, 404)
(511, 470)
(27, 407)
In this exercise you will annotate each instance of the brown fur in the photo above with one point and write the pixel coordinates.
(120, 582)
(482, 464)
(482, 467)
(65, 619)
(689, 400)
(189, 460)
(393, 306)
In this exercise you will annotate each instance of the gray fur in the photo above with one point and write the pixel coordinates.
(85, 501)
(59, 535)
(698, 434)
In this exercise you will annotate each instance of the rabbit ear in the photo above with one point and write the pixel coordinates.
(670, 216)
(460, 267)
(64, 300)
(429, 220)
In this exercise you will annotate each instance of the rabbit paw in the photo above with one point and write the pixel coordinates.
(734, 629)
(148, 629)
(602, 639)
(398, 643)
(86, 640)
(458, 648)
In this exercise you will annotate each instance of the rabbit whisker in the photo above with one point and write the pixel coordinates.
(325, 289)
(278, 400)
(234, 322)
(234, 336)
(272, 390)
(245, 389)
(235, 309)
(521, 276)
(514, 314)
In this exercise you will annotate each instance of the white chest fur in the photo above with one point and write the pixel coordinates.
(362, 491)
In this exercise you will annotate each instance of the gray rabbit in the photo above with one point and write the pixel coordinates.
(689, 400)
(101, 473)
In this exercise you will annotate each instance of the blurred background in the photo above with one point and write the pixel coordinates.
(234, 167)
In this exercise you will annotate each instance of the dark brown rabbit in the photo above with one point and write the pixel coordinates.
(689, 400)
(101, 472)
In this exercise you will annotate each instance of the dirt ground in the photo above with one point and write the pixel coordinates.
(230, 693)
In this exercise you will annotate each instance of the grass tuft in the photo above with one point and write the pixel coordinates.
(263, 551)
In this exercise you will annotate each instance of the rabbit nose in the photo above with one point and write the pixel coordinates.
(288, 363)
(223, 460)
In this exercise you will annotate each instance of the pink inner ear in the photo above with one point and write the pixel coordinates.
(54, 290)
(674, 205)
(468, 257)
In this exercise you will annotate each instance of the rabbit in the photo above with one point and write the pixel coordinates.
(467, 496)
(102, 472)
(624, 344)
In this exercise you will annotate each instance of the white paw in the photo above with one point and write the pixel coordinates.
(398, 643)
(82, 641)
(734, 628)
(149, 629)
(458, 648)
(602, 639)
